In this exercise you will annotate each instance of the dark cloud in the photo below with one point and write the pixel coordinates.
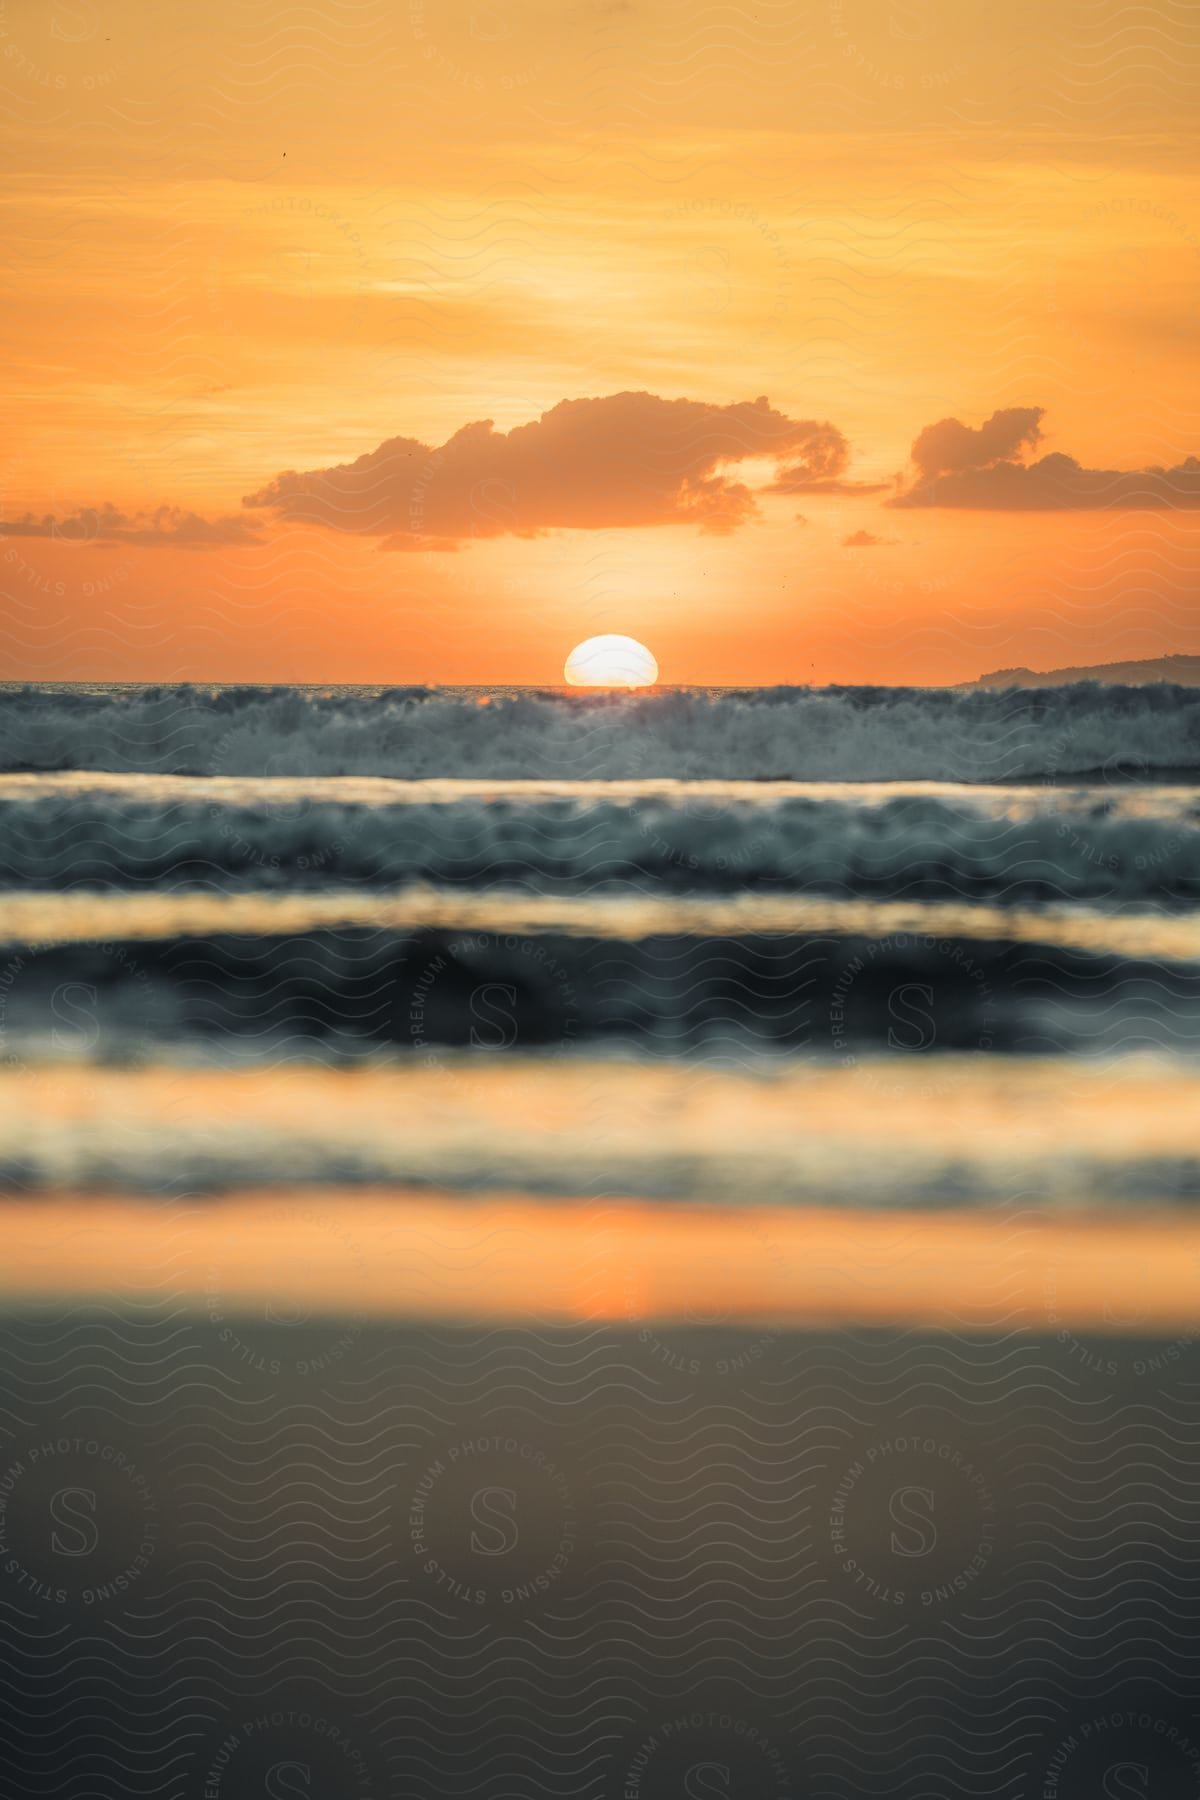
(627, 459)
(155, 529)
(950, 446)
(978, 470)
(865, 540)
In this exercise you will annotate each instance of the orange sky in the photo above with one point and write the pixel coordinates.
(255, 238)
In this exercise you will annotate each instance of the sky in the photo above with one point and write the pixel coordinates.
(418, 340)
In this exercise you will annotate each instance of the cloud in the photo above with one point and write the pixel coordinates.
(978, 470)
(865, 540)
(158, 528)
(629, 459)
(950, 446)
(803, 478)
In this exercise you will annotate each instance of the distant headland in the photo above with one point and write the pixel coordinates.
(1184, 671)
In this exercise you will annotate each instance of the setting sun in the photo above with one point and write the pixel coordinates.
(610, 661)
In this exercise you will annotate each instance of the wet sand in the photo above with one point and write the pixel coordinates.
(504, 1259)
(388, 1559)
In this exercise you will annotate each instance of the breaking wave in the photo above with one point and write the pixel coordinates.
(786, 733)
(1053, 844)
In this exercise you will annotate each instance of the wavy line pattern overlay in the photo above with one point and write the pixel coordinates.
(630, 1246)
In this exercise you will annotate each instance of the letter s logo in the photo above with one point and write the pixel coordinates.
(1126, 1781)
(75, 24)
(707, 1781)
(917, 1521)
(712, 1314)
(494, 1508)
(285, 1312)
(490, 24)
(493, 507)
(74, 1003)
(501, 1023)
(79, 1520)
(711, 266)
(286, 1779)
(919, 1023)
(1126, 766)
(1122, 1315)
(911, 22)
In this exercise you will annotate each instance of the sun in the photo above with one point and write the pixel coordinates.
(610, 661)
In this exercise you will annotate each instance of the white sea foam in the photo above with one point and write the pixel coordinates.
(1093, 843)
(797, 733)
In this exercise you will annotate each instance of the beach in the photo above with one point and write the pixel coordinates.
(602, 1280)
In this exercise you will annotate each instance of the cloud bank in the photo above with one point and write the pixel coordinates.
(630, 459)
(984, 469)
(158, 528)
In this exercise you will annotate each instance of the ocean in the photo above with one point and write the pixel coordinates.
(602, 1244)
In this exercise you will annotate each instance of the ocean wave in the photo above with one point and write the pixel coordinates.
(1057, 844)
(46, 916)
(836, 733)
(340, 996)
